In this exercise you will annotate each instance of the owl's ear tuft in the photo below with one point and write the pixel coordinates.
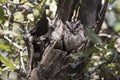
(78, 22)
(67, 23)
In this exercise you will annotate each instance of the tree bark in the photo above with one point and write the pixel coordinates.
(52, 43)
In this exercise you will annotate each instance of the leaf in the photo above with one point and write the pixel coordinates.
(111, 1)
(117, 27)
(1, 32)
(3, 1)
(92, 36)
(1, 14)
(7, 62)
(4, 47)
(18, 16)
(30, 17)
(36, 13)
(111, 44)
(91, 50)
(1, 69)
(22, 1)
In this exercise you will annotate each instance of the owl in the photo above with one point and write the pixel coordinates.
(73, 35)
(73, 27)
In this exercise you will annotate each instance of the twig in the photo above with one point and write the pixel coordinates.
(22, 62)
(21, 51)
(11, 42)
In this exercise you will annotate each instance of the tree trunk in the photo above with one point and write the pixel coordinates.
(53, 43)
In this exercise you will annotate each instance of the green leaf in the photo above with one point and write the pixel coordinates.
(4, 47)
(3, 1)
(7, 62)
(111, 1)
(92, 36)
(1, 69)
(1, 14)
(18, 16)
(22, 1)
(91, 50)
(111, 44)
(117, 27)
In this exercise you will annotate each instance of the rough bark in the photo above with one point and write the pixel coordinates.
(50, 51)
(88, 12)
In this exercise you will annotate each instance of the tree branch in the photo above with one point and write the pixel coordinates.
(88, 12)
(64, 9)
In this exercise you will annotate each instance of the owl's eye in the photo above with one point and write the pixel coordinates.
(77, 26)
(68, 27)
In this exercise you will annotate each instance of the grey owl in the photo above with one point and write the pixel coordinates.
(73, 35)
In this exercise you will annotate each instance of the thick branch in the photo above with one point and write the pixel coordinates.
(101, 16)
(88, 12)
(64, 9)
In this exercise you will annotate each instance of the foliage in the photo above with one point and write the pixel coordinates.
(18, 17)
